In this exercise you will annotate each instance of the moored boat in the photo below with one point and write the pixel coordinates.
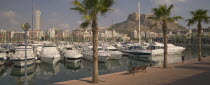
(18, 57)
(103, 55)
(50, 54)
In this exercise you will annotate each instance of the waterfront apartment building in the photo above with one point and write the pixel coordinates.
(104, 33)
(35, 34)
(18, 36)
(55, 33)
(6, 36)
(66, 33)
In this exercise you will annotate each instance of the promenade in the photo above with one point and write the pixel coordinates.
(191, 72)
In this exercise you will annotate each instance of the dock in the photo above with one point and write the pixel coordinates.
(191, 72)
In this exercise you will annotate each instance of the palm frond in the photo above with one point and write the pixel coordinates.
(169, 9)
(85, 24)
(153, 18)
(190, 22)
(79, 7)
(91, 8)
(87, 18)
(154, 25)
(107, 3)
(199, 15)
(172, 19)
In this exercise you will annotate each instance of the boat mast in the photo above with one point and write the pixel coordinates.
(139, 23)
(32, 21)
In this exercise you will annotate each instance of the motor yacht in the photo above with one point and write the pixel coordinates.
(114, 53)
(71, 53)
(158, 48)
(50, 54)
(103, 55)
(137, 50)
(18, 56)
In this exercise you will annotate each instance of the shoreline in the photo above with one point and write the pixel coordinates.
(154, 76)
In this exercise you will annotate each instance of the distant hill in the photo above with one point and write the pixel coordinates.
(132, 24)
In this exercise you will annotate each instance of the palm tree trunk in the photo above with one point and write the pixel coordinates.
(199, 41)
(95, 78)
(164, 28)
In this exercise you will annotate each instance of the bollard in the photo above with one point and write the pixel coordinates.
(182, 59)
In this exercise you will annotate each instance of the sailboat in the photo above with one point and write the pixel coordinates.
(138, 50)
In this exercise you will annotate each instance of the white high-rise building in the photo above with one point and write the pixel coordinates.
(38, 16)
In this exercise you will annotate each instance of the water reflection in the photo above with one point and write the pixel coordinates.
(19, 72)
(138, 61)
(2, 62)
(104, 67)
(171, 58)
(73, 65)
(113, 64)
(47, 71)
(2, 70)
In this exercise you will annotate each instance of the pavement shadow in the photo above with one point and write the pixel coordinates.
(193, 67)
(203, 63)
(199, 79)
(88, 81)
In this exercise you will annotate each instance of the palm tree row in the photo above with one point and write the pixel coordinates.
(162, 14)
(91, 9)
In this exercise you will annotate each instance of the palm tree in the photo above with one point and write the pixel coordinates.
(199, 16)
(162, 14)
(90, 9)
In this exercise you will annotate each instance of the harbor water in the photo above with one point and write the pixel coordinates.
(41, 74)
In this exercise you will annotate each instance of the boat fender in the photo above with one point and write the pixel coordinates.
(5, 58)
(36, 58)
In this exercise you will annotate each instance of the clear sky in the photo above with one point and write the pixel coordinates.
(56, 13)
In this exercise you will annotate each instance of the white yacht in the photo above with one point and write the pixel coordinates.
(158, 48)
(103, 55)
(2, 56)
(50, 54)
(114, 53)
(18, 57)
(71, 53)
(138, 50)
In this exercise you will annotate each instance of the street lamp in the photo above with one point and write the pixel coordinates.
(25, 27)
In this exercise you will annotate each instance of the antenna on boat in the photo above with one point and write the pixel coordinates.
(139, 22)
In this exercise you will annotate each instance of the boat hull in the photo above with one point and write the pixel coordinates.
(50, 60)
(170, 51)
(140, 53)
(21, 62)
(115, 56)
(100, 58)
(73, 57)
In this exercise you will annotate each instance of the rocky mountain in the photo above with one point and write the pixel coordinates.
(132, 23)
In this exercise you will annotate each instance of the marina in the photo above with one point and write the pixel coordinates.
(41, 73)
(104, 42)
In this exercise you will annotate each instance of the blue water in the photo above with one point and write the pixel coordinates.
(42, 74)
